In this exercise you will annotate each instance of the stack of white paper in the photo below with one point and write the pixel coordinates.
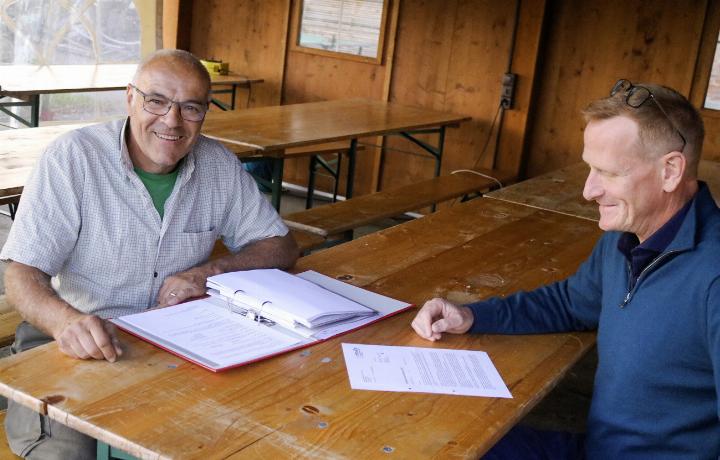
(285, 298)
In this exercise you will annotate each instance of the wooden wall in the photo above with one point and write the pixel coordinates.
(250, 35)
(711, 118)
(446, 55)
(634, 39)
(314, 77)
(170, 18)
(450, 55)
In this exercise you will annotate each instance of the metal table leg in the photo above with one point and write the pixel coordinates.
(351, 169)
(276, 186)
(436, 152)
(33, 102)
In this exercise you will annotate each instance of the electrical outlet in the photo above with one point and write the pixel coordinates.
(507, 90)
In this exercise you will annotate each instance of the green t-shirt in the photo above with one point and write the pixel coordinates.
(159, 186)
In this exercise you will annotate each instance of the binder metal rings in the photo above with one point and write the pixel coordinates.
(250, 313)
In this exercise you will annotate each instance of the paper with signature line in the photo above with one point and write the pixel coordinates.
(423, 370)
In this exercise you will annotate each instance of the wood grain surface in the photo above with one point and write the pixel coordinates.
(20, 149)
(294, 125)
(562, 190)
(300, 405)
(353, 213)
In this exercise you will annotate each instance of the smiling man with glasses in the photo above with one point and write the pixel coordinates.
(651, 289)
(121, 217)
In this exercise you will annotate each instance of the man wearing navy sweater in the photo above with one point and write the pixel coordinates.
(651, 289)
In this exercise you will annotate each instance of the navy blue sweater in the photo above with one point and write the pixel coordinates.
(658, 377)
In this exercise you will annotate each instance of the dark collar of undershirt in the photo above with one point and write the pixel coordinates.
(641, 255)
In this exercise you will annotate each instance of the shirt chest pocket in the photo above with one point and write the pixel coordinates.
(185, 250)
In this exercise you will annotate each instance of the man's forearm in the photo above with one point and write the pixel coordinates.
(276, 252)
(28, 289)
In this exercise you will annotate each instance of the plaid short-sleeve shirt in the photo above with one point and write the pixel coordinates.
(87, 220)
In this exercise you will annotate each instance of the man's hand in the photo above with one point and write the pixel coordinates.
(78, 334)
(438, 316)
(182, 286)
(276, 252)
(88, 336)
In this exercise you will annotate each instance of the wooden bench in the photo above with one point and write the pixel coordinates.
(9, 320)
(347, 215)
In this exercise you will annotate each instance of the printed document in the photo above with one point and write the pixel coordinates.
(423, 370)
(256, 314)
(206, 333)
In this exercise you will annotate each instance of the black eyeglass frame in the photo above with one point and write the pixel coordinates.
(169, 107)
(630, 90)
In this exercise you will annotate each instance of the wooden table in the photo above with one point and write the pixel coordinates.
(155, 405)
(28, 82)
(20, 149)
(275, 129)
(561, 190)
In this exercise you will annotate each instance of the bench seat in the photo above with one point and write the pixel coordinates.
(347, 215)
(9, 320)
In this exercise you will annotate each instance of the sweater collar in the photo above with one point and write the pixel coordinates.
(702, 205)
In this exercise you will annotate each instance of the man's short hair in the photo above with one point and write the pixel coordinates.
(657, 134)
(175, 56)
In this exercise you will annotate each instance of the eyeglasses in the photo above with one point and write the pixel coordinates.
(159, 105)
(635, 96)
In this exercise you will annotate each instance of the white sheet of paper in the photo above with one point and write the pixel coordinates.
(286, 297)
(208, 334)
(423, 370)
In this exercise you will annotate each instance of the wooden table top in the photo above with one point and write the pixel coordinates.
(280, 127)
(24, 80)
(20, 149)
(561, 190)
(155, 405)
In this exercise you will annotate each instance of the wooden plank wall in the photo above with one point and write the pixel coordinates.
(314, 77)
(589, 46)
(445, 55)
(170, 17)
(448, 56)
(451, 54)
(250, 35)
(711, 118)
